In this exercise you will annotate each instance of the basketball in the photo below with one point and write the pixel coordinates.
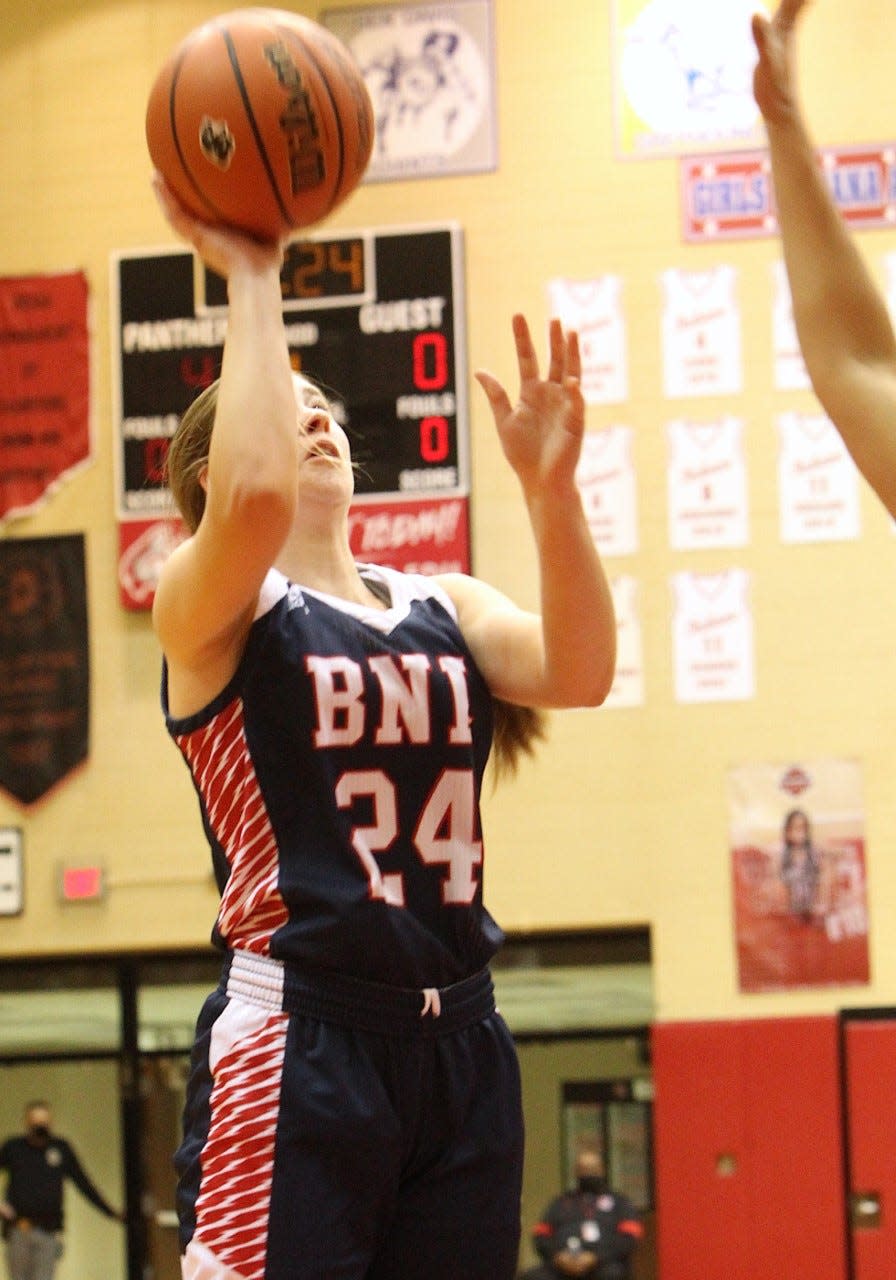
(260, 120)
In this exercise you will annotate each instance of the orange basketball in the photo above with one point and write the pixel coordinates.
(260, 119)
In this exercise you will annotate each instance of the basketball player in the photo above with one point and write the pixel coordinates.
(841, 318)
(354, 1104)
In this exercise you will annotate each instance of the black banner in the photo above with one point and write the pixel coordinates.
(44, 663)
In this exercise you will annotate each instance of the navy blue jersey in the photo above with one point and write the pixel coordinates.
(339, 777)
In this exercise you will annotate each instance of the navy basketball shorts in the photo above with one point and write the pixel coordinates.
(342, 1130)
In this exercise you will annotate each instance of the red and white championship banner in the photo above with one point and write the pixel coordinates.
(44, 386)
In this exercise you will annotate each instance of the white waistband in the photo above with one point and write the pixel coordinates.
(261, 980)
(258, 979)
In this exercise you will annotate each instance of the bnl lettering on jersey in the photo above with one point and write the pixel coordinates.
(405, 712)
(445, 833)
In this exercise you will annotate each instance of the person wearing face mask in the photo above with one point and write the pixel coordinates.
(589, 1231)
(37, 1163)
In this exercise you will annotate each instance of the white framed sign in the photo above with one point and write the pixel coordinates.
(430, 71)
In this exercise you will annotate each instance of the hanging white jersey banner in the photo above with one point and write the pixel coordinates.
(606, 479)
(707, 484)
(701, 333)
(790, 368)
(818, 484)
(712, 629)
(628, 682)
(594, 309)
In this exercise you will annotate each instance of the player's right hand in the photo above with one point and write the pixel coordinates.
(223, 249)
(774, 77)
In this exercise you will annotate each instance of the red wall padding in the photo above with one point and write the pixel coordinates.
(765, 1095)
(871, 1090)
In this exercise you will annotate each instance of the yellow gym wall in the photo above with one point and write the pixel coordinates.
(623, 817)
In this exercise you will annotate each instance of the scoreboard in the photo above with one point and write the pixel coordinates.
(375, 318)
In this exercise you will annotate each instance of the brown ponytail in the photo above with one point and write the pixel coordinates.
(516, 732)
(188, 456)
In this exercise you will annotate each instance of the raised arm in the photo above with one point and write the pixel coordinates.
(564, 656)
(209, 586)
(840, 314)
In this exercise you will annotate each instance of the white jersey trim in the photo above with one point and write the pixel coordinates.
(403, 589)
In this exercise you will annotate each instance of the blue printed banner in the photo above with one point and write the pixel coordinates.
(731, 196)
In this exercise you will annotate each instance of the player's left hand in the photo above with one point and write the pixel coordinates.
(541, 434)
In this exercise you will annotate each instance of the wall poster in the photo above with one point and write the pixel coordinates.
(683, 76)
(797, 847)
(430, 71)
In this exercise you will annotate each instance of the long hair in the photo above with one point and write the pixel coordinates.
(517, 730)
(812, 854)
(188, 456)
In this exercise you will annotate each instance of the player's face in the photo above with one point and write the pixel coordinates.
(319, 431)
(325, 464)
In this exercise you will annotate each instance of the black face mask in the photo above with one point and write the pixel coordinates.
(593, 1185)
(39, 1133)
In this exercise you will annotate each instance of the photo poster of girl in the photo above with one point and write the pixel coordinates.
(797, 841)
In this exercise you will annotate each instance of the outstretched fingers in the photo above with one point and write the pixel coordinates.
(781, 24)
(526, 356)
(787, 13)
(565, 365)
(497, 397)
(557, 349)
(573, 358)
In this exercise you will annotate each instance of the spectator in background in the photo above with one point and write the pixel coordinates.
(590, 1231)
(37, 1163)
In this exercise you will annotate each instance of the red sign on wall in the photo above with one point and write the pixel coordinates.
(732, 196)
(44, 386)
(420, 536)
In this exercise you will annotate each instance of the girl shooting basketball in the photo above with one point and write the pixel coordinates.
(354, 1103)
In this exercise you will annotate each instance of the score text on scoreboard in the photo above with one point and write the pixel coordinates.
(330, 271)
(375, 317)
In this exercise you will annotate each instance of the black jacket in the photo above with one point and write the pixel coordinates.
(36, 1177)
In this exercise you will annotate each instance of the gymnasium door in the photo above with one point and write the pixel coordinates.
(869, 1058)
